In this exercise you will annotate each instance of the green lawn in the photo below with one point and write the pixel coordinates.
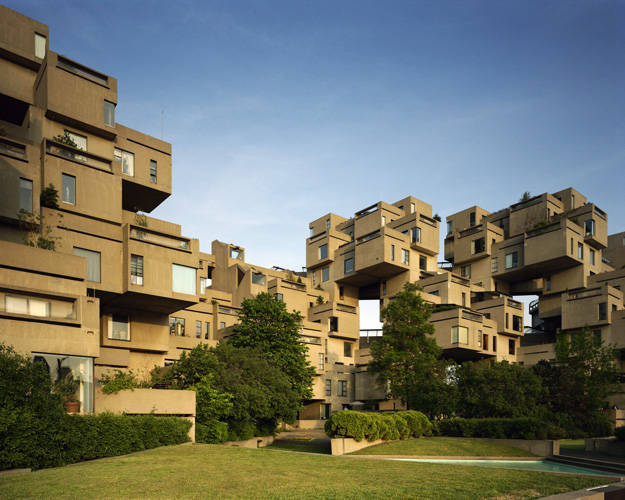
(572, 444)
(444, 446)
(213, 471)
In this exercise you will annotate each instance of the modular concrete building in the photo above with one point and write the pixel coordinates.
(89, 282)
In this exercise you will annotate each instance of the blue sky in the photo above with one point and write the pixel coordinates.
(279, 112)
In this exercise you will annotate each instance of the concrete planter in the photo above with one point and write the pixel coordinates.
(255, 442)
(610, 446)
(341, 446)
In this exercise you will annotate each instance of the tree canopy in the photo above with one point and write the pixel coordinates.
(266, 325)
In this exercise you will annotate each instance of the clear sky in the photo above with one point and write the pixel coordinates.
(282, 111)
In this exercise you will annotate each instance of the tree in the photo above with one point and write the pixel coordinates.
(526, 196)
(266, 325)
(497, 390)
(236, 386)
(407, 355)
(580, 380)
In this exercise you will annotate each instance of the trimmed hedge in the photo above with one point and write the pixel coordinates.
(29, 440)
(498, 428)
(212, 432)
(373, 426)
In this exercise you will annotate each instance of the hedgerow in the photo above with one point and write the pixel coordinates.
(373, 426)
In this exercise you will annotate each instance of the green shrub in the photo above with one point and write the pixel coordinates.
(372, 426)
(241, 430)
(36, 441)
(212, 432)
(498, 428)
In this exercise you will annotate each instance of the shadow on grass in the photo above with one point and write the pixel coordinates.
(308, 446)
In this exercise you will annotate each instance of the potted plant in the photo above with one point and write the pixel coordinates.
(66, 387)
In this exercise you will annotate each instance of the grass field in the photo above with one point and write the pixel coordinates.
(213, 471)
(444, 446)
(306, 446)
(572, 444)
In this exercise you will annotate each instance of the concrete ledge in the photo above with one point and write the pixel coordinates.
(608, 492)
(255, 442)
(609, 446)
(341, 446)
(540, 447)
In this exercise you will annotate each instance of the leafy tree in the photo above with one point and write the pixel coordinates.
(407, 355)
(525, 196)
(266, 325)
(49, 197)
(580, 380)
(498, 390)
(237, 386)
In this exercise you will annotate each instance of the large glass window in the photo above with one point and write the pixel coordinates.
(494, 267)
(459, 335)
(198, 329)
(415, 235)
(79, 140)
(320, 361)
(93, 263)
(136, 269)
(405, 256)
(40, 46)
(69, 188)
(511, 346)
(328, 387)
(589, 227)
(109, 114)
(349, 265)
(592, 257)
(259, 278)
(26, 305)
(26, 195)
(512, 260)
(478, 246)
(207, 327)
(119, 327)
(342, 388)
(580, 250)
(325, 274)
(183, 279)
(204, 284)
(603, 311)
(323, 251)
(423, 263)
(79, 369)
(449, 227)
(128, 163)
(347, 349)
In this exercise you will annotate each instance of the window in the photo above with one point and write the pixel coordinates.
(592, 257)
(384, 288)
(479, 338)
(176, 326)
(464, 299)
(478, 246)
(207, 327)
(136, 269)
(204, 284)
(548, 283)
(198, 329)
(26, 195)
(93, 263)
(325, 274)
(40, 46)
(603, 311)
(580, 250)
(589, 227)
(415, 235)
(311, 233)
(494, 265)
(109, 114)
(323, 251)
(69, 188)
(183, 279)
(334, 324)
(222, 324)
(392, 252)
(60, 366)
(119, 327)
(449, 227)
(412, 208)
(423, 263)
(128, 161)
(279, 297)
(459, 335)
(485, 342)
(236, 253)
(517, 323)
(405, 256)
(320, 361)
(153, 171)
(79, 140)
(571, 246)
(507, 321)
(259, 279)
(472, 219)
(341, 291)
(342, 388)
(465, 271)
(572, 201)
(328, 223)
(26, 305)
(328, 387)
(435, 292)
(494, 343)
(383, 220)
(512, 260)
(349, 265)
(511, 346)
(347, 349)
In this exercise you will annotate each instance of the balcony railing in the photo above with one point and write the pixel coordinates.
(159, 239)
(77, 155)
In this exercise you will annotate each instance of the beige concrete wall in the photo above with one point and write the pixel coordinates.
(342, 446)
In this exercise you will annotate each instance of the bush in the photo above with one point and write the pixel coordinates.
(619, 432)
(372, 426)
(212, 432)
(498, 428)
(36, 441)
